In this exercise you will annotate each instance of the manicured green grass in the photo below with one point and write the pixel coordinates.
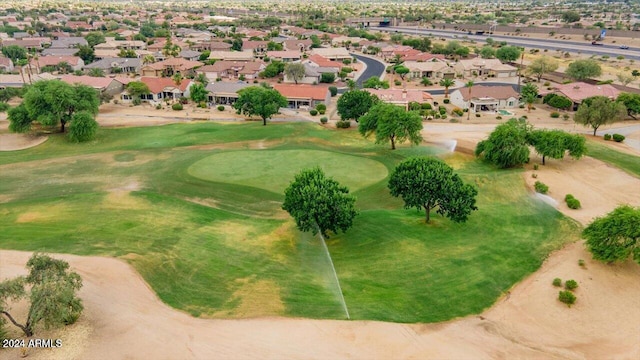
(627, 162)
(252, 168)
(219, 245)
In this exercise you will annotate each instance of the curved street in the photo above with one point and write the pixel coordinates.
(375, 68)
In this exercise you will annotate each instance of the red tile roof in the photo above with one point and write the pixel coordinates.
(579, 91)
(501, 92)
(324, 62)
(315, 92)
(400, 95)
(175, 63)
(156, 84)
(94, 82)
(55, 60)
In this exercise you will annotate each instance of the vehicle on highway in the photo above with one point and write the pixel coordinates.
(595, 43)
(624, 47)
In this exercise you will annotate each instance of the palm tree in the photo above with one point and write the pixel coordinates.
(469, 85)
(447, 83)
(148, 59)
(177, 78)
(202, 79)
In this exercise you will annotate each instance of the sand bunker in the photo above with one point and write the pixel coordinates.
(12, 142)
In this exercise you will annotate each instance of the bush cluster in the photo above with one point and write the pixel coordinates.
(442, 109)
(618, 138)
(541, 187)
(555, 114)
(333, 90)
(607, 137)
(176, 106)
(342, 124)
(572, 202)
(571, 285)
(457, 111)
(324, 120)
(426, 106)
(557, 282)
(4, 106)
(220, 108)
(567, 297)
(446, 101)
(478, 115)
(313, 112)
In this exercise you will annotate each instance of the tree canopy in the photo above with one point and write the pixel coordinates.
(427, 183)
(542, 65)
(83, 127)
(401, 70)
(508, 53)
(318, 203)
(294, 71)
(53, 102)
(529, 95)
(597, 111)
(198, 93)
(583, 69)
(555, 143)
(506, 146)
(95, 37)
(258, 100)
(14, 52)
(391, 123)
(616, 236)
(632, 102)
(51, 289)
(487, 52)
(137, 88)
(355, 103)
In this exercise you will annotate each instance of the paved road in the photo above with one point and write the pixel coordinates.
(375, 68)
(549, 44)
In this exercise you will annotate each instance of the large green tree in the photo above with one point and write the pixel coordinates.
(258, 100)
(53, 102)
(506, 146)
(632, 102)
(542, 65)
(616, 236)
(86, 53)
(583, 69)
(555, 143)
(318, 203)
(95, 37)
(83, 127)
(391, 123)
(137, 88)
(401, 70)
(198, 93)
(529, 94)
(508, 53)
(294, 71)
(355, 103)
(429, 183)
(51, 290)
(14, 52)
(597, 111)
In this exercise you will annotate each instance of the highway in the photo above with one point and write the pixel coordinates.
(532, 43)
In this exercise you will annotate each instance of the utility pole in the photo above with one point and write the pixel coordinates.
(520, 72)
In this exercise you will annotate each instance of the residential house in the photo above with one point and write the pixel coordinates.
(113, 44)
(170, 67)
(211, 46)
(298, 45)
(78, 25)
(401, 97)
(304, 95)
(346, 41)
(100, 54)
(429, 69)
(69, 42)
(31, 44)
(485, 68)
(321, 61)
(389, 52)
(232, 55)
(18, 81)
(415, 55)
(482, 98)
(189, 55)
(232, 69)
(6, 65)
(75, 62)
(579, 91)
(162, 89)
(105, 85)
(259, 48)
(116, 65)
(339, 54)
(59, 52)
(225, 93)
(285, 55)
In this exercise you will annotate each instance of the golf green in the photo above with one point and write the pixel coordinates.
(273, 170)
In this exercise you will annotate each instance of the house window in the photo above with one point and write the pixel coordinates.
(510, 103)
(126, 97)
(159, 95)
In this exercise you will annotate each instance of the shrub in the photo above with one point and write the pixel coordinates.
(397, 82)
(523, 117)
(324, 120)
(540, 187)
(443, 116)
(437, 116)
(535, 166)
(571, 285)
(498, 117)
(567, 297)
(573, 203)
(313, 112)
(176, 106)
(425, 106)
(478, 115)
(607, 137)
(581, 263)
(546, 83)
(618, 137)
(557, 282)
(220, 108)
(446, 101)
(333, 90)
(442, 110)
(136, 102)
(555, 114)
(343, 124)
(184, 100)
(565, 117)
(321, 107)
(4, 106)
(158, 107)
(568, 196)
(457, 111)
(322, 112)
